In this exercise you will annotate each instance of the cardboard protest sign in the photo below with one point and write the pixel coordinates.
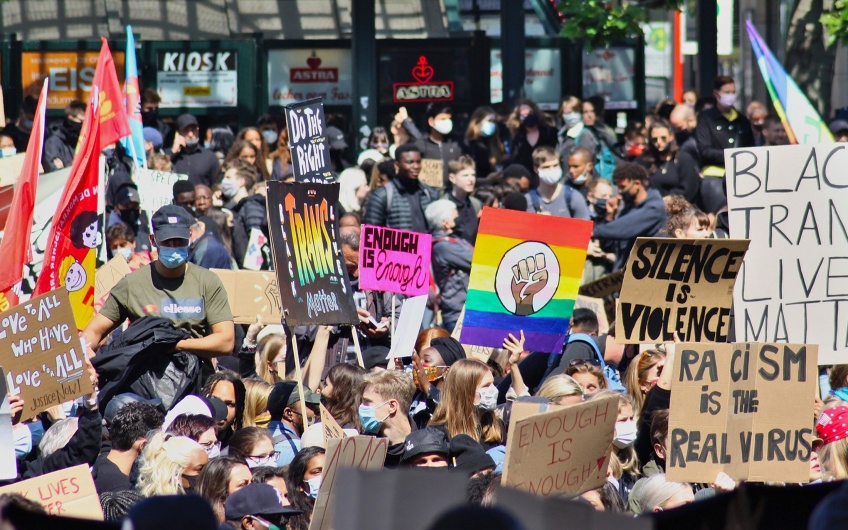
(332, 429)
(607, 287)
(8, 461)
(794, 281)
(41, 352)
(597, 306)
(481, 353)
(107, 277)
(310, 149)
(432, 173)
(682, 286)
(408, 326)
(155, 188)
(10, 168)
(358, 452)
(395, 261)
(524, 276)
(563, 451)
(250, 293)
(69, 492)
(739, 408)
(311, 274)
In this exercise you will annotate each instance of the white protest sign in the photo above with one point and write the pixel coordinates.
(156, 188)
(408, 326)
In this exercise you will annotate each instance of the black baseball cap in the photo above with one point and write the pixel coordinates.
(185, 120)
(336, 139)
(127, 194)
(256, 499)
(171, 222)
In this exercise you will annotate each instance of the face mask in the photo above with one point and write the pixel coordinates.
(229, 188)
(314, 485)
(531, 120)
(628, 197)
(71, 129)
(571, 119)
(23, 440)
(634, 149)
(488, 398)
(270, 136)
(191, 143)
(368, 418)
(270, 526)
(125, 252)
(488, 128)
(130, 216)
(727, 100)
(757, 126)
(443, 126)
(149, 118)
(383, 148)
(601, 207)
(625, 434)
(173, 257)
(213, 452)
(192, 482)
(7, 152)
(581, 179)
(108, 153)
(681, 136)
(550, 175)
(260, 462)
(26, 124)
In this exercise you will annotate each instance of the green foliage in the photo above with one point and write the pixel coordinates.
(600, 24)
(836, 22)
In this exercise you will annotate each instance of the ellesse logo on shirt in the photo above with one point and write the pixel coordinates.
(182, 307)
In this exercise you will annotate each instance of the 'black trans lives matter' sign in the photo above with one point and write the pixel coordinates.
(303, 221)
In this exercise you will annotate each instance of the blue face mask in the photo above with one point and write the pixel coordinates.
(173, 257)
(314, 485)
(488, 128)
(368, 418)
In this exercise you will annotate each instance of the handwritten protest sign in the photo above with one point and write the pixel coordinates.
(41, 352)
(69, 492)
(311, 274)
(155, 188)
(250, 293)
(332, 429)
(793, 285)
(563, 451)
(310, 150)
(739, 408)
(107, 277)
(358, 452)
(607, 288)
(395, 261)
(597, 306)
(432, 173)
(481, 353)
(682, 286)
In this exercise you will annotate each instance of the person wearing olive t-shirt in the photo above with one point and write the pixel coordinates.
(192, 297)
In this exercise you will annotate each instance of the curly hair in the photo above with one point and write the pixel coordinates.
(132, 422)
(164, 460)
(238, 386)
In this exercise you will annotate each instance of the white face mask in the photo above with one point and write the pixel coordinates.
(625, 434)
(443, 126)
(727, 100)
(229, 189)
(571, 119)
(581, 179)
(7, 152)
(550, 175)
(488, 397)
(126, 252)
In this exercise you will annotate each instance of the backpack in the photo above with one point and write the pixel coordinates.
(605, 160)
(611, 374)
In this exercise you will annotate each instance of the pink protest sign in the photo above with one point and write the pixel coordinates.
(395, 261)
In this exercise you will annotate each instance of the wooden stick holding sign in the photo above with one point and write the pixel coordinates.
(356, 348)
(393, 319)
(299, 375)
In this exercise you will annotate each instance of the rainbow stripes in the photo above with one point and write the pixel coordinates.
(490, 308)
(800, 119)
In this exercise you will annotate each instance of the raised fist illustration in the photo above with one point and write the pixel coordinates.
(529, 276)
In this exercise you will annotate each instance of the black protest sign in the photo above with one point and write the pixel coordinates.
(310, 150)
(682, 286)
(40, 351)
(744, 409)
(311, 274)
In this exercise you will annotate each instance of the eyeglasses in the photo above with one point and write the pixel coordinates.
(273, 455)
(210, 445)
(659, 139)
(578, 362)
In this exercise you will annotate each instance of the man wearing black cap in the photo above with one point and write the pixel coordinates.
(188, 157)
(257, 507)
(286, 421)
(128, 211)
(427, 447)
(191, 297)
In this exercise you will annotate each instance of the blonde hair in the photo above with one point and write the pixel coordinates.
(622, 460)
(588, 368)
(833, 458)
(255, 399)
(269, 347)
(350, 180)
(657, 490)
(559, 386)
(392, 384)
(635, 376)
(456, 410)
(164, 460)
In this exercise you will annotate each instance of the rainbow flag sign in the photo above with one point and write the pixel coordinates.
(524, 276)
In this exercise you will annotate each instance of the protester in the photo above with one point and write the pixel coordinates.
(152, 142)
(257, 392)
(482, 141)
(341, 393)
(378, 147)
(352, 190)
(561, 389)
(120, 240)
(530, 131)
(305, 473)
(257, 506)
(19, 130)
(672, 171)
(451, 260)
(684, 122)
(438, 144)
(833, 455)
(581, 171)
(204, 249)
(426, 447)
(249, 153)
(222, 477)
(60, 147)
(384, 408)
(189, 157)
(227, 387)
(276, 477)
(553, 196)
(170, 465)
(287, 421)
(773, 132)
(200, 428)
(642, 375)
(687, 221)
(660, 494)
(128, 433)
(588, 374)
(254, 445)
(468, 399)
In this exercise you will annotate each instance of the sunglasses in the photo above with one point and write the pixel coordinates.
(579, 362)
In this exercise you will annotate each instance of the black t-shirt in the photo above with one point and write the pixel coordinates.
(393, 454)
(107, 476)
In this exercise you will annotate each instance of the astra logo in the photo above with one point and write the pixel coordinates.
(182, 307)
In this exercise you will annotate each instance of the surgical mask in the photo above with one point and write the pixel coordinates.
(7, 152)
(173, 257)
(270, 136)
(126, 252)
(488, 128)
(625, 434)
(727, 100)
(192, 482)
(581, 179)
(550, 175)
(26, 124)
(191, 143)
(368, 417)
(531, 120)
(214, 451)
(229, 188)
(571, 119)
(443, 126)
(314, 485)
(488, 397)
(22, 437)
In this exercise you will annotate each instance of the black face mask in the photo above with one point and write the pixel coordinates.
(531, 120)
(130, 216)
(149, 118)
(601, 207)
(192, 482)
(71, 129)
(757, 126)
(681, 136)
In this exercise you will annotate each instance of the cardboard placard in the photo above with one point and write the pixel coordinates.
(744, 409)
(682, 286)
(332, 429)
(310, 149)
(41, 352)
(155, 188)
(609, 285)
(566, 450)
(10, 169)
(69, 492)
(432, 173)
(481, 353)
(394, 261)
(794, 281)
(408, 326)
(598, 307)
(367, 453)
(250, 293)
(107, 277)
(311, 274)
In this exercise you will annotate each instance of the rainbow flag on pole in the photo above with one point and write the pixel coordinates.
(524, 276)
(800, 119)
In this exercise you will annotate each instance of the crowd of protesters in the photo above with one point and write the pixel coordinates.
(229, 425)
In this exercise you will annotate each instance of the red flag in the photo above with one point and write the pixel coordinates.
(16, 247)
(75, 231)
(114, 123)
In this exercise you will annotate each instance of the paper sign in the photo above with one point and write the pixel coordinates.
(304, 226)
(332, 429)
(742, 409)
(250, 293)
(69, 492)
(596, 305)
(408, 326)
(793, 285)
(155, 188)
(394, 261)
(108, 277)
(310, 149)
(10, 169)
(254, 258)
(8, 461)
(41, 352)
(358, 452)
(432, 173)
(481, 353)
(682, 286)
(563, 451)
